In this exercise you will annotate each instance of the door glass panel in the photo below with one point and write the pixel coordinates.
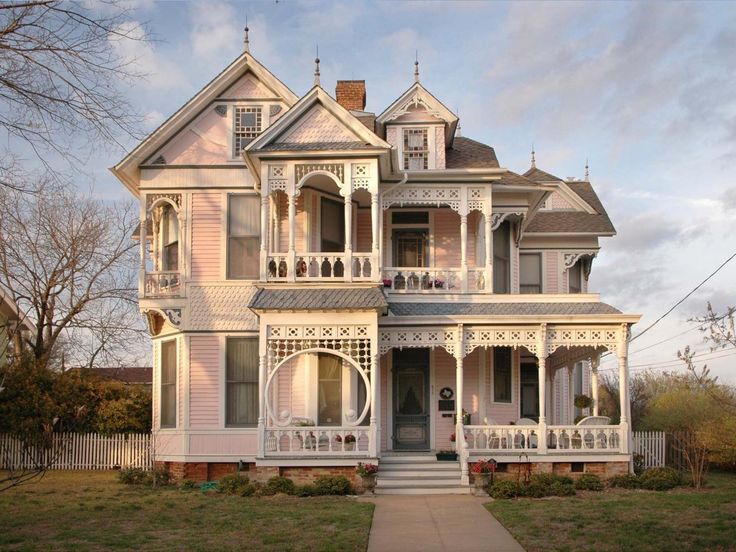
(411, 247)
(329, 390)
(411, 393)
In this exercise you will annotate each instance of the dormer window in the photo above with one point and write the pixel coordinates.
(416, 149)
(246, 127)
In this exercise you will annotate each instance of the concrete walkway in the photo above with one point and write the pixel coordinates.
(435, 523)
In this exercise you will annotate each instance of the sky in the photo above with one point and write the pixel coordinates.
(646, 92)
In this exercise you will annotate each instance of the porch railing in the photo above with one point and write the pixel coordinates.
(162, 284)
(320, 267)
(559, 438)
(318, 441)
(406, 279)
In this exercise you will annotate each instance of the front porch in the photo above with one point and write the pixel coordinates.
(353, 392)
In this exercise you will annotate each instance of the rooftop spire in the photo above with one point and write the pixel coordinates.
(458, 131)
(534, 158)
(246, 41)
(587, 171)
(316, 69)
(416, 66)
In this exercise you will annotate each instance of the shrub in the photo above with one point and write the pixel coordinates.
(639, 464)
(333, 485)
(504, 489)
(138, 476)
(547, 479)
(558, 488)
(306, 490)
(589, 482)
(625, 481)
(233, 484)
(282, 485)
(661, 479)
(189, 484)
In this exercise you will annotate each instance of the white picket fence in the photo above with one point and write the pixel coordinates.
(81, 451)
(652, 446)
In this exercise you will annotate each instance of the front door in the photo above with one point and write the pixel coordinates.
(411, 399)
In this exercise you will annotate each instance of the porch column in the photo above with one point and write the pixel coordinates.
(143, 236)
(262, 375)
(291, 272)
(464, 251)
(348, 238)
(459, 427)
(375, 383)
(489, 251)
(594, 362)
(542, 385)
(623, 382)
(571, 394)
(375, 218)
(265, 230)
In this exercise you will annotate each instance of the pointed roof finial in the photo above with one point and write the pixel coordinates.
(534, 158)
(316, 69)
(587, 171)
(416, 66)
(246, 41)
(458, 130)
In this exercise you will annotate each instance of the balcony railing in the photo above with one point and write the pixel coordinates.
(318, 441)
(162, 284)
(320, 267)
(432, 280)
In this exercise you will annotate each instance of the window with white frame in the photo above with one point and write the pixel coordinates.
(243, 237)
(169, 239)
(530, 273)
(416, 149)
(502, 374)
(168, 384)
(241, 382)
(246, 126)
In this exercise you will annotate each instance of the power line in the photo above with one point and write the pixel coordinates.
(674, 362)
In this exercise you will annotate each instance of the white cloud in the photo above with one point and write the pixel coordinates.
(215, 28)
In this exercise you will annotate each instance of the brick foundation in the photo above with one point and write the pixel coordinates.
(604, 470)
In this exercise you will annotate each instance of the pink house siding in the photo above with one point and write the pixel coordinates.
(552, 271)
(291, 387)
(363, 235)
(207, 212)
(231, 444)
(471, 391)
(385, 401)
(283, 222)
(444, 376)
(446, 238)
(204, 381)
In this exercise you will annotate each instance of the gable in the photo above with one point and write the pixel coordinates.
(248, 87)
(317, 125)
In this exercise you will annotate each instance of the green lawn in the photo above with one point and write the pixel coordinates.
(92, 511)
(678, 520)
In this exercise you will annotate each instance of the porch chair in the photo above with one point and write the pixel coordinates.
(594, 421)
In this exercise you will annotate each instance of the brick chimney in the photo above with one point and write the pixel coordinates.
(351, 94)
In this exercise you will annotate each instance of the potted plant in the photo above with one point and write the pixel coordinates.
(446, 455)
(367, 473)
(349, 441)
(583, 401)
(483, 472)
(466, 417)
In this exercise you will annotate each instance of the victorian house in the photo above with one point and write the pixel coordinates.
(326, 286)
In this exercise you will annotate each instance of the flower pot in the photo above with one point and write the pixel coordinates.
(447, 456)
(369, 483)
(480, 480)
(350, 446)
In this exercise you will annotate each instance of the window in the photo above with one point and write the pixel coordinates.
(241, 381)
(168, 384)
(575, 278)
(501, 256)
(169, 239)
(502, 374)
(246, 127)
(332, 226)
(410, 217)
(416, 149)
(411, 248)
(329, 390)
(244, 237)
(530, 273)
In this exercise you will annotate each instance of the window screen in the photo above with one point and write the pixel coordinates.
(168, 384)
(502, 374)
(530, 273)
(501, 255)
(241, 380)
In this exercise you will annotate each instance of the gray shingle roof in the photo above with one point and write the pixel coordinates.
(316, 146)
(469, 154)
(499, 309)
(538, 175)
(318, 299)
(574, 221)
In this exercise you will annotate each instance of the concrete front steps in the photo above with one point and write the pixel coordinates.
(416, 474)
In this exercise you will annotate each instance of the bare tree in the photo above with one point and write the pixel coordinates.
(68, 263)
(62, 79)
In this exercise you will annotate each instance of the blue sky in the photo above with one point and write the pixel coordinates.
(645, 91)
